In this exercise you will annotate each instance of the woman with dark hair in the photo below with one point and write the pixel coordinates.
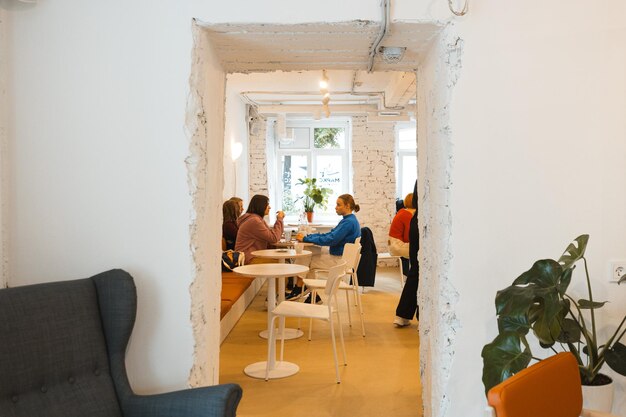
(254, 233)
(407, 306)
(230, 213)
(346, 231)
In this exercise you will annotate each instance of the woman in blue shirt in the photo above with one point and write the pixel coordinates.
(346, 231)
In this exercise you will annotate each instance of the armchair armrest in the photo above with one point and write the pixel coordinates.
(594, 413)
(214, 401)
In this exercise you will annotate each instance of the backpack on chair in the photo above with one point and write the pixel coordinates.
(232, 259)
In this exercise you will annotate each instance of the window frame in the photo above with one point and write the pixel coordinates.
(311, 153)
(400, 153)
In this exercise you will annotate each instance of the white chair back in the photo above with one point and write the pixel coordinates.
(334, 279)
(351, 252)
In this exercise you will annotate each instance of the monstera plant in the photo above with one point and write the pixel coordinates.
(537, 304)
(313, 195)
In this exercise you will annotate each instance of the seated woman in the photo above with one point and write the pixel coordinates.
(346, 231)
(230, 212)
(399, 230)
(239, 202)
(254, 233)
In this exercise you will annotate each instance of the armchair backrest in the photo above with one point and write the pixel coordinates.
(549, 388)
(53, 354)
(62, 354)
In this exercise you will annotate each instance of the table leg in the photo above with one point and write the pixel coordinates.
(289, 333)
(280, 369)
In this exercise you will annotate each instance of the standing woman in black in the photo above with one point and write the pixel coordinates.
(407, 306)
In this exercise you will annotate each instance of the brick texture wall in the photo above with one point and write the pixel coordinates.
(374, 178)
(257, 174)
(373, 167)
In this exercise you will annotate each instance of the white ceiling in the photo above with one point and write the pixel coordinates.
(344, 45)
(300, 52)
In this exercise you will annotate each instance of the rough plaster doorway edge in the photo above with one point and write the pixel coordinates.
(205, 214)
(435, 216)
(4, 171)
(437, 297)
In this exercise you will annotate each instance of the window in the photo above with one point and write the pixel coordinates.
(406, 163)
(314, 149)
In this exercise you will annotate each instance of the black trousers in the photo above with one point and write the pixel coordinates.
(407, 306)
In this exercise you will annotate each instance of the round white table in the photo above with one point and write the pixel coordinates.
(281, 255)
(277, 369)
(291, 244)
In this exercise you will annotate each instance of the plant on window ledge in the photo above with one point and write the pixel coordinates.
(313, 195)
(537, 303)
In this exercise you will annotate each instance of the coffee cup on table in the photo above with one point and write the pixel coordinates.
(299, 246)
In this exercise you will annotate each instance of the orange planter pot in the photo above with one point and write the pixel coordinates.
(309, 216)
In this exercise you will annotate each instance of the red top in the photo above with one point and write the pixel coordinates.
(400, 225)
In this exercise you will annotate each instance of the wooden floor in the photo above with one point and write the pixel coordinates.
(381, 379)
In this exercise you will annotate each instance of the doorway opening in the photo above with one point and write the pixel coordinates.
(220, 126)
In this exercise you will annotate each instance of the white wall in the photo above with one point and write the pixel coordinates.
(374, 176)
(4, 171)
(437, 298)
(97, 148)
(235, 169)
(205, 127)
(98, 180)
(539, 150)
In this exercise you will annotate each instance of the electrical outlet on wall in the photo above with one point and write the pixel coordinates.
(618, 271)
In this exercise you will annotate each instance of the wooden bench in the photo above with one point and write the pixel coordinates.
(237, 294)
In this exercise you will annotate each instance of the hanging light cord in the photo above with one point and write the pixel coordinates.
(462, 12)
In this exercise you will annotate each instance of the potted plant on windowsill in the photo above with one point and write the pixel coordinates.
(313, 195)
(537, 303)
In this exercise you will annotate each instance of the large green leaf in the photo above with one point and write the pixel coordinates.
(534, 299)
(570, 331)
(514, 300)
(564, 280)
(574, 252)
(547, 327)
(543, 273)
(502, 358)
(517, 323)
(616, 358)
(587, 305)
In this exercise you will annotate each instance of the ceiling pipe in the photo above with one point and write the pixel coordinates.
(334, 108)
(379, 94)
(381, 34)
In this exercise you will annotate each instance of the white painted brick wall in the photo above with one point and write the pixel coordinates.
(373, 166)
(374, 178)
(257, 173)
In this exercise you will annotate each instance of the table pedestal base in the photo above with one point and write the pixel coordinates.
(281, 369)
(289, 334)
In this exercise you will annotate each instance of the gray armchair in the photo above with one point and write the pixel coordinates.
(62, 348)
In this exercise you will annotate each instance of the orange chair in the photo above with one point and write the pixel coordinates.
(550, 388)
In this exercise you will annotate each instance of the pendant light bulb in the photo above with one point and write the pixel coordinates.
(324, 81)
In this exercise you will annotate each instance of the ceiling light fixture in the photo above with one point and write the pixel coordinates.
(392, 54)
(325, 94)
(324, 82)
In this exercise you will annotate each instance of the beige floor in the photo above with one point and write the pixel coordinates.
(381, 379)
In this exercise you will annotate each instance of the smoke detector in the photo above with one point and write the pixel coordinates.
(391, 54)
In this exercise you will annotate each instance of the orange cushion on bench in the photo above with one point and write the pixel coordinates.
(233, 287)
